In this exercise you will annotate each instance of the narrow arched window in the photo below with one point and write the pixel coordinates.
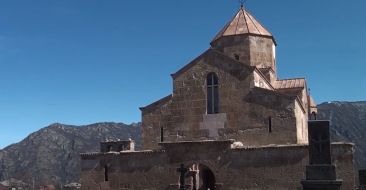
(105, 173)
(212, 93)
(270, 124)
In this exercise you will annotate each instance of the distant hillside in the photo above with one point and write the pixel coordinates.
(51, 155)
(348, 123)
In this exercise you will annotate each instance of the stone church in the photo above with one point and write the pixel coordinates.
(230, 123)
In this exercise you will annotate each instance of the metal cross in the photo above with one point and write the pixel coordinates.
(242, 3)
(182, 170)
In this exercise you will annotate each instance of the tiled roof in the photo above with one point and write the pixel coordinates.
(290, 83)
(243, 23)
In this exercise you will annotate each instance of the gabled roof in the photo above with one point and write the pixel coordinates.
(243, 23)
(189, 65)
(232, 65)
(158, 103)
(289, 83)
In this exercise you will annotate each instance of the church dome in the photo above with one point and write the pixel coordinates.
(243, 23)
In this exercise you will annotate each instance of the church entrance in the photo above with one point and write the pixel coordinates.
(197, 177)
(207, 178)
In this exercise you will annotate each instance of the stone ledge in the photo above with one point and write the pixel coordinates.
(230, 141)
(322, 183)
(94, 155)
(276, 146)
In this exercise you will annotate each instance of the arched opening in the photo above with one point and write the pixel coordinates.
(207, 178)
(313, 115)
(270, 124)
(161, 134)
(109, 148)
(106, 173)
(212, 93)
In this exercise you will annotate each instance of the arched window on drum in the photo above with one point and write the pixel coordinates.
(212, 93)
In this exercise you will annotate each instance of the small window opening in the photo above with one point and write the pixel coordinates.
(105, 173)
(109, 148)
(236, 56)
(128, 147)
(313, 115)
(121, 147)
(270, 124)
(161, 134)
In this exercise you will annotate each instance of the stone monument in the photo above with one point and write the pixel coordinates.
(182, 171)
(362, 179)
(320, 173)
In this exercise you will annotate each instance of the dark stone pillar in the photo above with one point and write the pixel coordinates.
(362, 179)
(320, 173)
(182, 171)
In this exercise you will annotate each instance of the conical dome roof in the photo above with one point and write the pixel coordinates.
(243, 23)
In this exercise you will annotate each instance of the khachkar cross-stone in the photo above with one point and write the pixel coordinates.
(362, 179)
(320, 173)
(319, 143)
(182, 170)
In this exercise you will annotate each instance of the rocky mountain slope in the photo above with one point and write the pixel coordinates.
(51, 155)
(348, 123)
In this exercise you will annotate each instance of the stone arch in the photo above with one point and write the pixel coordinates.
(313, 116)
(200, 176)
(207, 178)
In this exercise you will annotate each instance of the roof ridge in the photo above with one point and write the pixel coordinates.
(265, 28)
(237, 23)
(246, 23)
(253, 23)
(291, 79)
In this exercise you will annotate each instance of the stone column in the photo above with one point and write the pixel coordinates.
(182, 171)
(362, 179)
(320, 173)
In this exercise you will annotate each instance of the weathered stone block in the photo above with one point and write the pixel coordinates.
(362, 179)
(362, 176)
(322, 184)
(320, 172)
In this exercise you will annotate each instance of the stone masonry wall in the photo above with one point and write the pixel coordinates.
(231, 46)
(251, 49)
(261, 52)
(301, 125)
(272, 167)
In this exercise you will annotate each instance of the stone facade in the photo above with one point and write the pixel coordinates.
(244, 108)
(230, 120)
(248, 93)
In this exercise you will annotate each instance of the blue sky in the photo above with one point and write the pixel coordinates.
(86, 61)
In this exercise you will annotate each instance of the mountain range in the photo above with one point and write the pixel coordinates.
(51, 155)
(348, 123)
